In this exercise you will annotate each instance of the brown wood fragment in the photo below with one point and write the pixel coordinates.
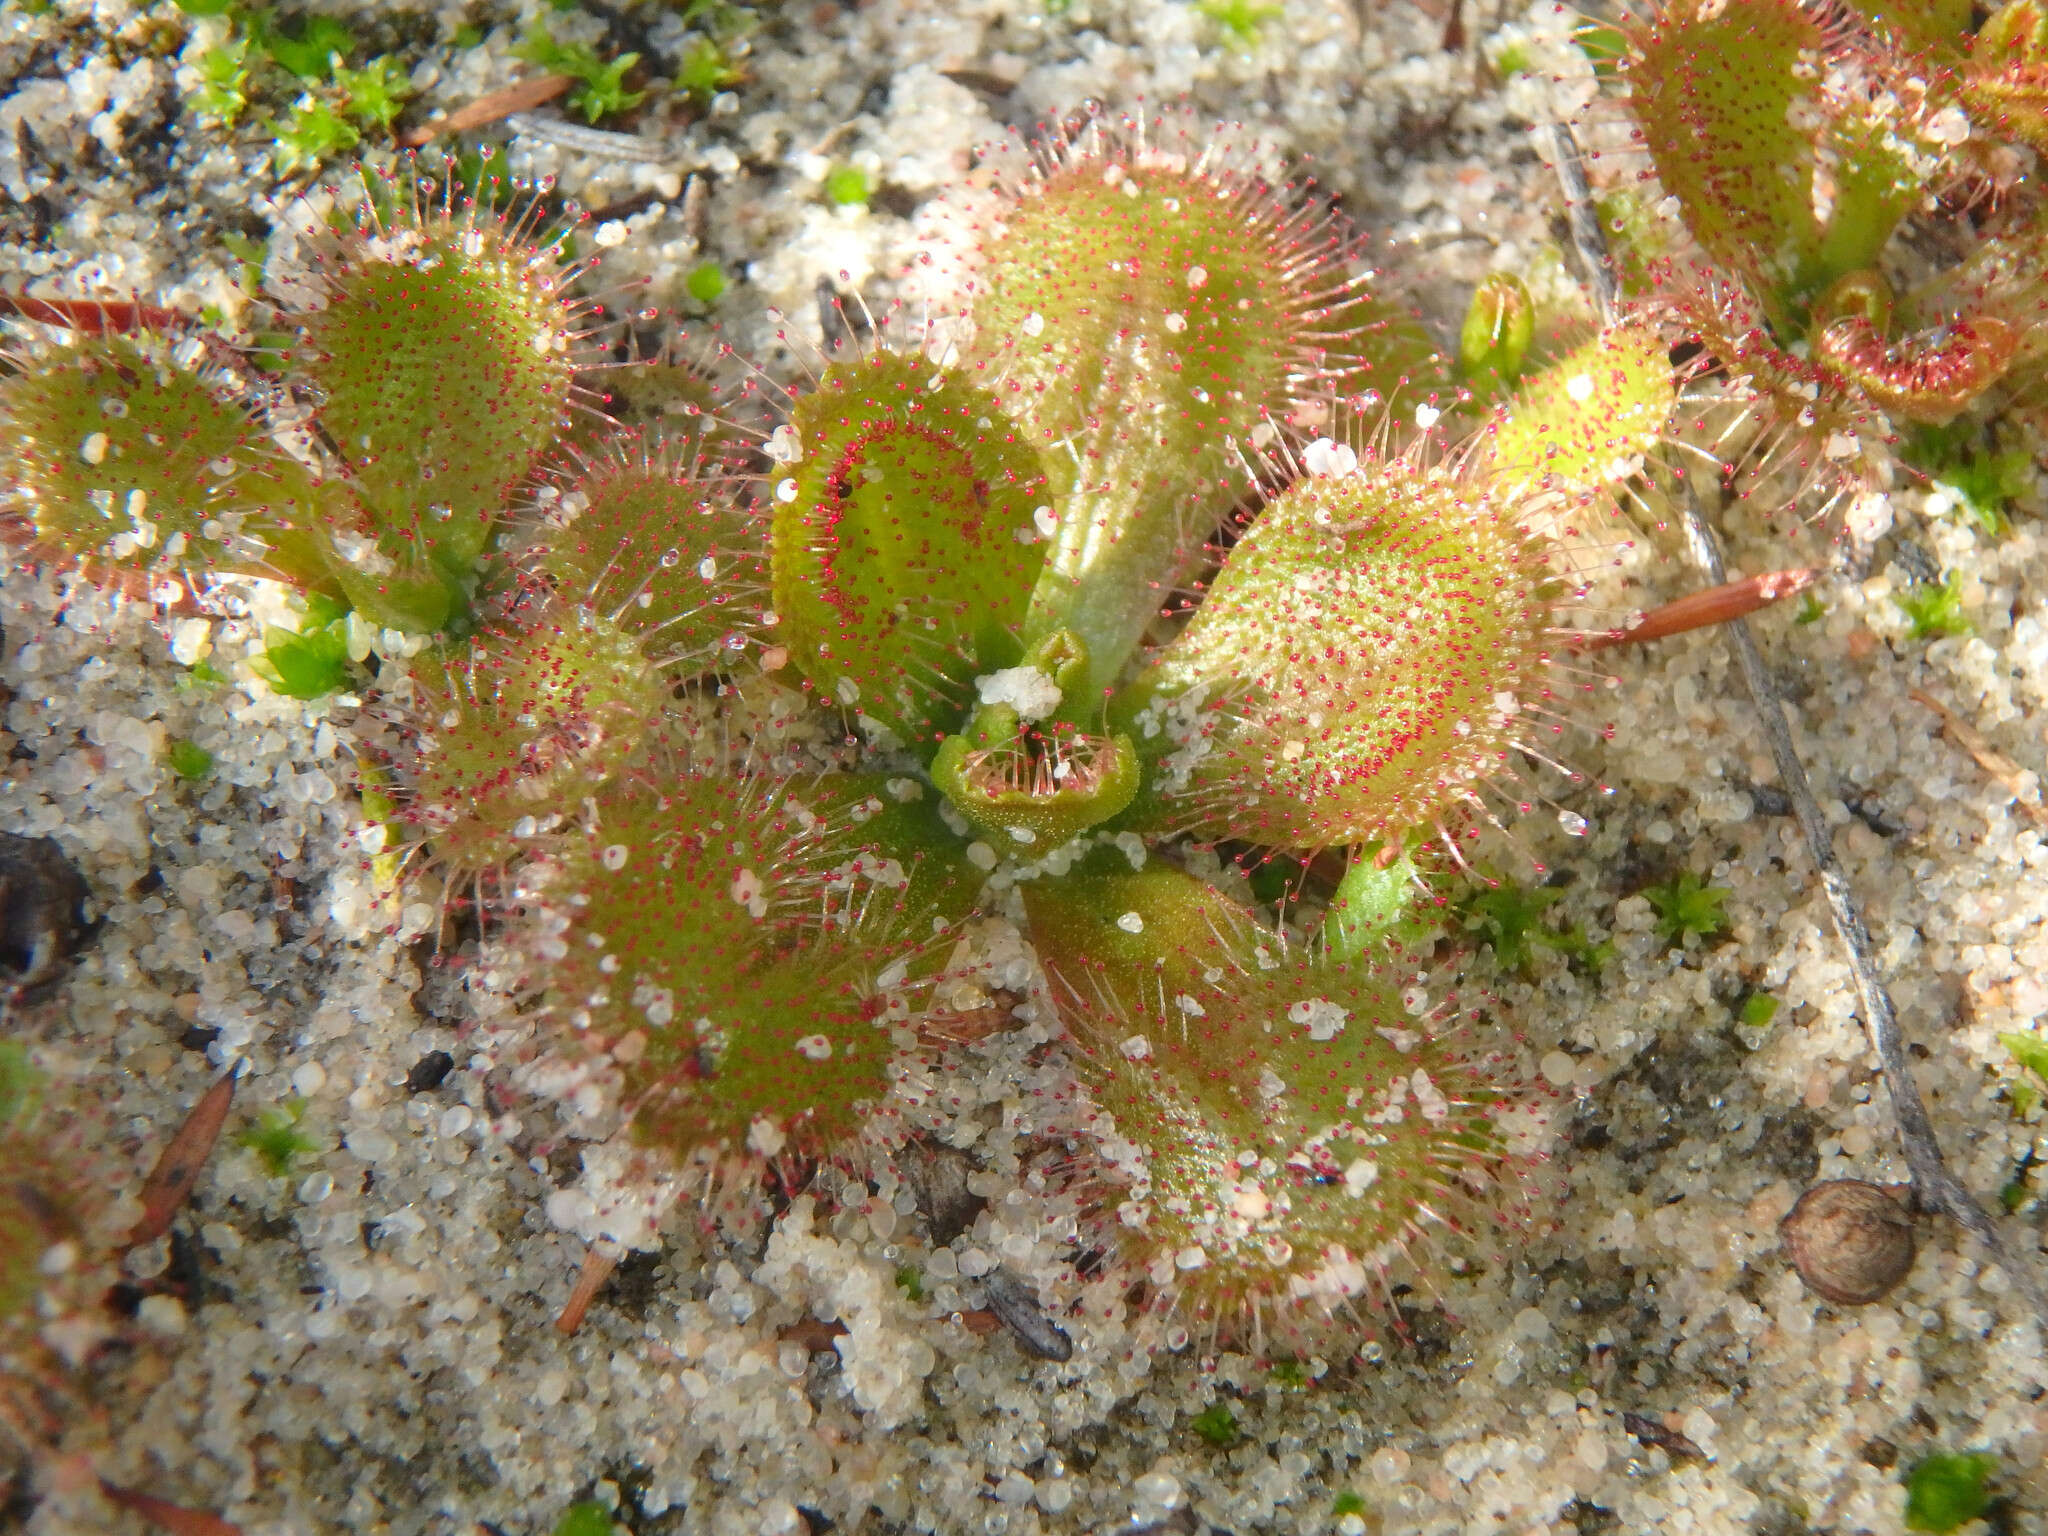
(174, 1518)
(815, 1336)
(598, 1265)
(177, 1169)
(1650, 1432)
(1716, 605)
(980, 1321)
(2006, 773)
(518, 97)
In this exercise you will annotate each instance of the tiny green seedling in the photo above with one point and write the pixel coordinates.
(1758, 1009)
(278, 1139)
(1240, 20)
(706, 283)
(846, 186)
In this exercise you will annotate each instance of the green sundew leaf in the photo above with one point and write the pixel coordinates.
(1941, 27)
(312, 52)
(1428, 604)
(310, 665)
(1758, 1009)
(1876, 185)
(2029, 1050)
(445, 367)
(522, 718)
(277, 1139)
(671, 555)
(731, 930)
(1934, 611)
(468, 35)
(1688, 906)
(2007, 76)
(121, 451)
(2023, 1098)
(1590, 416)
(1217, 1425)
(1604, 46)
(206, 7)
(1132, 277)
(900, 570)
(589, 1518)
(1217, 1053)
(188, 759)
(1376, 905)
(1716, 90)
(898, 819)
(1945, 1491)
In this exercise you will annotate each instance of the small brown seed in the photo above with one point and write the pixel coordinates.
(1850, 1241)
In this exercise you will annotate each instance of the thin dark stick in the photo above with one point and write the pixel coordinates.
(1935, 1187)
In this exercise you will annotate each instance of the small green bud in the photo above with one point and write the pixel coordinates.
(1499, 325)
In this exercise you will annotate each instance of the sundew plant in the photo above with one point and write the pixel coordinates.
(1138, 629)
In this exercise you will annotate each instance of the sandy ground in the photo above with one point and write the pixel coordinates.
(365, 1345)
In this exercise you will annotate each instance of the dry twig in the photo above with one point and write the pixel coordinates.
(520, 97)
(2008, 774)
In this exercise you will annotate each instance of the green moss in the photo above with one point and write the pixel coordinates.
(910, 1281)
(1509, 916)
(589, 1518)
(600, 89)
(1934, 611)
(311, 50)
(189, 760)
(1687, 907)
(1217, 1425)
(704, 70)
(1348, 1503)
(1758, 1009)
(1945, 1491)
(374, 94)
